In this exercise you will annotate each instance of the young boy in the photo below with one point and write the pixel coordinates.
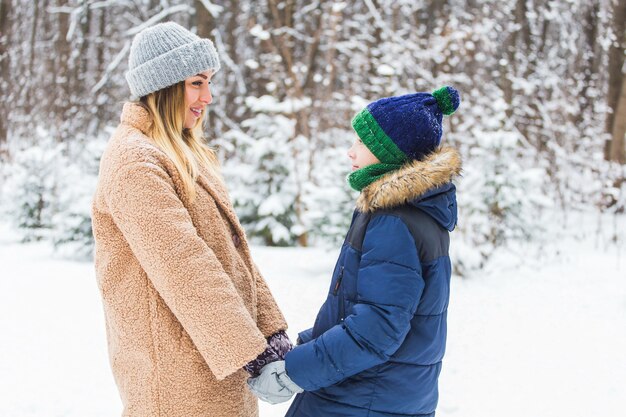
(378, 340)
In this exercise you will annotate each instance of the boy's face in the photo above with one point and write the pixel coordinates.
(360, 156)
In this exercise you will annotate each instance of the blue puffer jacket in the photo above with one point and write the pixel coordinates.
(378, 340)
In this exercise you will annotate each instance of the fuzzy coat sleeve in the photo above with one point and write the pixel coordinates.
(186, 273)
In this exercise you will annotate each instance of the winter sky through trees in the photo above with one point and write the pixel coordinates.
(541, 125)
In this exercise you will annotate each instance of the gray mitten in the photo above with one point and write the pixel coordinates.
(274, 385)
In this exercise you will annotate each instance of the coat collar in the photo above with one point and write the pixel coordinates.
(411, 181)
(216, 189)
(136, 115)
(213, 185)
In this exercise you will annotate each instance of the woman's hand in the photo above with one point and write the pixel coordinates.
(278, 345)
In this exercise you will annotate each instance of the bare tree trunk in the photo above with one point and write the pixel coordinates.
(435, 9)
(101, 41)
(5, 33)
(204, 20)
(231, 28)
(33, 36)
(334, 19)
(313, 50)
(62, 100)
(507, 67)
(616, 78)
(101, 65)
(232, 105)
(618, 151)
(589, 64)
(373, 53)
(279, 21)
(520, 17)
(82, 66)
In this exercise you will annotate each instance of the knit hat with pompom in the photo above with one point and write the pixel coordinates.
(403, 128)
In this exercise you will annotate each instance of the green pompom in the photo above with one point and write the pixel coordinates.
(447, 99)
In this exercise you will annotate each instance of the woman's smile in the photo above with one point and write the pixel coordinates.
(196, 111)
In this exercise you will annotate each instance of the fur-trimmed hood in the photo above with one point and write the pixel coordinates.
(425, 184)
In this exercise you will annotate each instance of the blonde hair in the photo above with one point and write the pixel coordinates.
(185, 147)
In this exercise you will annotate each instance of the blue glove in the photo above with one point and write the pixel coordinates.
(274, 385)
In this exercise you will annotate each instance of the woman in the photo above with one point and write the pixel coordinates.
(185, 306)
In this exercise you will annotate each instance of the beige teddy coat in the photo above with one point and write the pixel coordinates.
(184, 304)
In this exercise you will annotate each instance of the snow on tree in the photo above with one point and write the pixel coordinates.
(72, 233)
(29, 192)
(263, 177)
(540, 84)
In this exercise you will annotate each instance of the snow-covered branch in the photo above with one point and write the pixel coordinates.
(241, 83)
(158, 17)
(212, 8)
(112, 67)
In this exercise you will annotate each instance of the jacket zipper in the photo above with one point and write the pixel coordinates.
(338, 283)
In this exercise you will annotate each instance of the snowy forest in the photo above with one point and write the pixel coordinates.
(541, 124)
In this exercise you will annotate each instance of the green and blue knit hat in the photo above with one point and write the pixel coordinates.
(404, 128)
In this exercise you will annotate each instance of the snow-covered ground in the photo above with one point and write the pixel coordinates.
(526, 339)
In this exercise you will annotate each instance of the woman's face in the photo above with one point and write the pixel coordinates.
(197, 97)
(360, 155)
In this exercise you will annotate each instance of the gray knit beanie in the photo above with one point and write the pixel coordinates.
(165, 54)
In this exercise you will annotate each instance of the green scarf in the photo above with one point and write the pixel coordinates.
(363, 177)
